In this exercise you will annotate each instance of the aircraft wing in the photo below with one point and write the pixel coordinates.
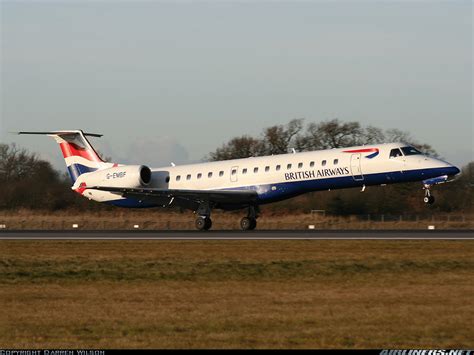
(228, 197)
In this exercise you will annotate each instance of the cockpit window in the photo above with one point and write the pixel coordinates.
(395, 153)
(410, 151)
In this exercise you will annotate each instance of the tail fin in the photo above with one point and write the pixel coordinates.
(77, 151)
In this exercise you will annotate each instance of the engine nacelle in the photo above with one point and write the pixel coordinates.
(131, 176)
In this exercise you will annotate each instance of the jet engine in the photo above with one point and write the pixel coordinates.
(130, 176)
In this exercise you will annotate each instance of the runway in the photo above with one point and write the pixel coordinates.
(239, 235)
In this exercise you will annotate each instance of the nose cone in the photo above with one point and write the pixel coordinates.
(455, 170)
(447, 168)
(452, 171)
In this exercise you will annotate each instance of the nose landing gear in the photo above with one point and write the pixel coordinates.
(429, 198)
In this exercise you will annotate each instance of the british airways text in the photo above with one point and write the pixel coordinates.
(317, 173)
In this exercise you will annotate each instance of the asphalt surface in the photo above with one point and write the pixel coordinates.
(239, 235)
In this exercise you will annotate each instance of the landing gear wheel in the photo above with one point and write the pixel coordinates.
(203, 223)
(248, 223)
(208, 224)
(429, 198)
(200, 223)
(254, 224)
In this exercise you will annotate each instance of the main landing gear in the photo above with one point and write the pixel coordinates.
(250, 222)
(204, 222)
(429, 198)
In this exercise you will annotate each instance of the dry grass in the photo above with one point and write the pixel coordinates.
(165, 220)
(228, 294)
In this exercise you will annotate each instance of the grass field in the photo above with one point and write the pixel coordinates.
(233, 294)
(166, 220)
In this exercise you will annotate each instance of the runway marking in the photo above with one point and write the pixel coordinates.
(239, 235)
(223, 239)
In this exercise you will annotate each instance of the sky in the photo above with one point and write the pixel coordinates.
(171, 81)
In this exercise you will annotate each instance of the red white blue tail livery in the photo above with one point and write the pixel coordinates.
(80, 156)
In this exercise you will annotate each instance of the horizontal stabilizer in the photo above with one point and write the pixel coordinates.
(78, 153)
(60, 133)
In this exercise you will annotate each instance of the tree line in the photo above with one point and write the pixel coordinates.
(456, 196)
(26, 181)
(280, 139)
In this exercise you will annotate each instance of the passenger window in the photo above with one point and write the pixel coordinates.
(209, 174)
(267, 169)
(188, 177)
(167, 179)
(394, 153)
(323, 163)
(336, 161)
(199, 176)
(178, 177)
(221, 173)
(288, 167)
(300, 165)
(255, 170)
(311, 164)
(278, 167)
(234, 171)
(244, 171)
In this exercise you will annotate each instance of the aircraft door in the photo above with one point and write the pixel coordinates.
(233, 173)
(356, 169)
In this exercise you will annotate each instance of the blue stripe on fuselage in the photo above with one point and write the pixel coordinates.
(130, 202)
(290, 189)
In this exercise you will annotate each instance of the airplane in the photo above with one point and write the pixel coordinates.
(244, 183)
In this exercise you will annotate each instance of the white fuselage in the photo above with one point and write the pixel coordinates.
(278, 177)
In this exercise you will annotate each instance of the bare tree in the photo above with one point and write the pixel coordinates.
(372, 135)
(15, 163)
(275, 140)
(323, 135)
(396, 135)
(331, 134)
(279, 139)
(238, 147)
(27, 181)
